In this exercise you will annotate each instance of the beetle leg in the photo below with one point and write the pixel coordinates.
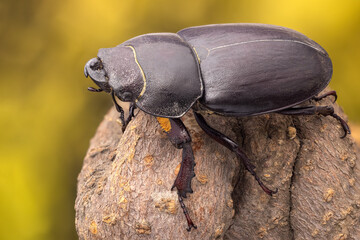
(230, 144)
(322, 110)
(120, 110)
(180, 138)
(330, 93)
(186, 213)
(132, 108)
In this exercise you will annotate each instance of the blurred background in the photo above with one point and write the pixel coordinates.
(47, 116)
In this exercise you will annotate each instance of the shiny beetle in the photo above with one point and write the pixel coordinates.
(228, 69)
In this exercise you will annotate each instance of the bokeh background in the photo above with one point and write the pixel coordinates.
(47, 116)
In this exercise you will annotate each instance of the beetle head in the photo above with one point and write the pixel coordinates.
(116, 70)
(94, 68)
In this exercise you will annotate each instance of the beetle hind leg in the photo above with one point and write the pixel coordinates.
(230, 144)
(322, 110)
(330, 93)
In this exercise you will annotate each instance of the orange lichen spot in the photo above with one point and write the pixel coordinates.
(167, 205)
(164, 123)
(352, 182)
(93, 227)
(230, 203)
(266, 175)
(124, 184)
(276, 220)
(351, 162)
(328, 195)
(323, 128)
(343, 157)
(327, 217)
(109, 219)
(315, 232)
(143, 227)
(262, 232)
(219, 231)
(159, 182)
(127, 187)
(123, 202)
(341, 236)
(291, 132)
(202, 178)
(177, 169)
(346, 211)
(149, 160)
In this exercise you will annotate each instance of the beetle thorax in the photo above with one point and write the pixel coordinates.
(124, 73)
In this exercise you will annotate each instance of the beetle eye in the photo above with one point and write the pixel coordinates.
(126, 96)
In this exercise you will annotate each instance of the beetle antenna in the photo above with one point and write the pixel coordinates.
(91, 89)
(120, 110)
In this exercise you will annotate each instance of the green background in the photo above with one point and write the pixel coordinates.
(48, 116)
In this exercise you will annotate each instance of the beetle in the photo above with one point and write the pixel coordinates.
(227, 69)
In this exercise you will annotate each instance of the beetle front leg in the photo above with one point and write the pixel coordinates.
(132, 108)
(124, 121)
(180, 138)
(120, 110)
(230, 144)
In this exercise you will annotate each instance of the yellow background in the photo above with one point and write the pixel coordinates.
(47, 116)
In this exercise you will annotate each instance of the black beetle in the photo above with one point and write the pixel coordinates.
(227, 69)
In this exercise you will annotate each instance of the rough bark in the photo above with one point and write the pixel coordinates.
(124, 186)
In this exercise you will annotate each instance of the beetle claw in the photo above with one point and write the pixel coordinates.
(344, 125)
(330, 93)
(188, 219)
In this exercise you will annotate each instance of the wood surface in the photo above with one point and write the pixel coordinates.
(124, 185)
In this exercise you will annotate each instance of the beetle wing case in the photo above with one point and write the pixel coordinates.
(250, 69)
(172, 81)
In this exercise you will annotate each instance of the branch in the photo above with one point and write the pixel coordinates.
(124, 186)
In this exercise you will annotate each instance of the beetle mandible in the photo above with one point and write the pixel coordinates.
(228, 69)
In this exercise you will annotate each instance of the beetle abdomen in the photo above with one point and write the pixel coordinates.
(251, 69)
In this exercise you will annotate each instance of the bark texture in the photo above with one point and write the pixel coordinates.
(124, 185)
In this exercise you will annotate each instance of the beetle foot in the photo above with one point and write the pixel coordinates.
(251, 168)
(267, 190)
(262, 185)
(344, 125)
(186, 213)
(330, 93)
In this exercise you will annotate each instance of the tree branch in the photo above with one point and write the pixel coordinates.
(124, 186)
